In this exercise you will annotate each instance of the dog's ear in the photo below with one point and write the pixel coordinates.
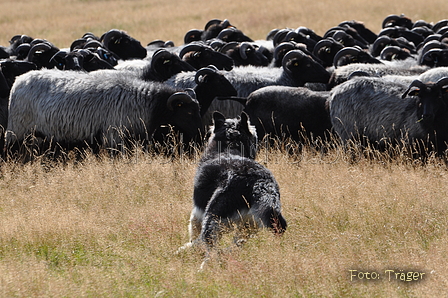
(245, 122)
(218, 120)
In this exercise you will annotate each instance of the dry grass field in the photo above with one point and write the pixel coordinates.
(110, 227)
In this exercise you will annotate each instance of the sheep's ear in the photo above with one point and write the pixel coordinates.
(218, 120)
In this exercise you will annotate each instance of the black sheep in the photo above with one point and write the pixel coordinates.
(289, 112)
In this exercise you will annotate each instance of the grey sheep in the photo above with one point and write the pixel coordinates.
(104, 107)
(384, 113)
(403, 68)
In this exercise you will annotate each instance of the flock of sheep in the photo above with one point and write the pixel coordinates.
(108, 91)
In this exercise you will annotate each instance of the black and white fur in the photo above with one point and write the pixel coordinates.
(231, 189)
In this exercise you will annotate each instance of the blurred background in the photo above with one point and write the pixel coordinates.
(61, 22)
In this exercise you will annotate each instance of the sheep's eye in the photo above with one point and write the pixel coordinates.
(166, 61)
(414, 92)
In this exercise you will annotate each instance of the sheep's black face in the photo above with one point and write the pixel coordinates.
(326, 54)
(206, 57)
(187, 119)
(432, 100)
(219, 85)
(233, 136)
(127, 47)
(13, 68)
(168, 66)
(305, 69)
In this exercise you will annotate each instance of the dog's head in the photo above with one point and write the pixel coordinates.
(235, 136)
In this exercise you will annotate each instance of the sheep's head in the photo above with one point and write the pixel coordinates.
(199, 55)
(183, 110)
(245, 53)
(432, 98)
(123, 45)
(303, 68)
(164, 65)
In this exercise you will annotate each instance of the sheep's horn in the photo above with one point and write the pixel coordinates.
(204, 71)
(217, 44)
(192, 35)
(191, 93)
(433, 44)
(326, 42)
(415, 83)
(88, 35)
(168, 44)
(38, 47)
(432, 37)
(442, 30)
(22, 50)
(442, 82)
(93, 44)
(282, 47)
(228, 46)
(430, 55)
(160, 54)
(280, 36)
(106, 38)
(343, 52)
(294, 54)
(179, 97)
(212, 22)
(190, 48)
(14, 38)
(331, 31)
(226, 33)
(387, 20)
(243, 48)
(37, 41)
(77, 44)
(57, 56)
(389, 50)
(380, 43)
(84, 52)
(271, 34)
(339, 35)
(439, 25)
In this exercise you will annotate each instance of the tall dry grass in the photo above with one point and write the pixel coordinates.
(110, 228)
(106, 227)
